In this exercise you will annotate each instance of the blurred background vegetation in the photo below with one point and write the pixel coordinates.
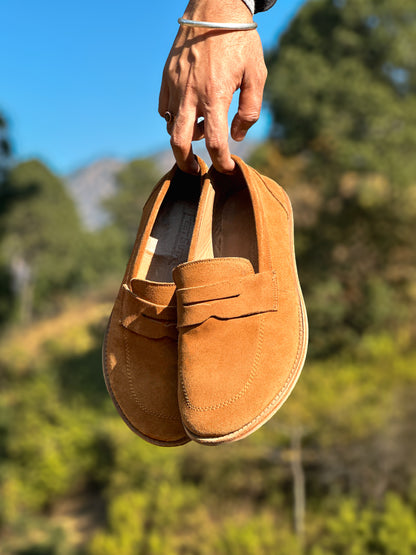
(334, 471)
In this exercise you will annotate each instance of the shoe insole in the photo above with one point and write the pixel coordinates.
(229, 229)
(170, 238)
(233, 227)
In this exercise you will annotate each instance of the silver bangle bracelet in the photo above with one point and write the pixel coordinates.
(212, 25)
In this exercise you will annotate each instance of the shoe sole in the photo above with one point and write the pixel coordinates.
(284, 393)
(147, 438)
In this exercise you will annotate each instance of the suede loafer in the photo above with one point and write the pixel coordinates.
(241, 317)
(140, 350)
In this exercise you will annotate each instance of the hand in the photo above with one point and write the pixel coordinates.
(204, 68)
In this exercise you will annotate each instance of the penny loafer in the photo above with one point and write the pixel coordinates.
(140, 350)
(241, 317)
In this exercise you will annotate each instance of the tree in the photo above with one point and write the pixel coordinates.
(5, 199)
(42, 237)
(342, 90)
(5, 149)
(342, 87)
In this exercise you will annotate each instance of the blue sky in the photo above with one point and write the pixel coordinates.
(80, 80)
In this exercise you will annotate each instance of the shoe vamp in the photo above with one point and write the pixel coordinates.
(219, 360)
(145, 380)
(233, 370)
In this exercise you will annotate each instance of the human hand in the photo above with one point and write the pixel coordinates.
(203, 70)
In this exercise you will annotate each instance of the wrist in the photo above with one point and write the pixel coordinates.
(221, 11)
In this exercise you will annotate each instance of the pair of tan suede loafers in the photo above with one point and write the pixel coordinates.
(213, 354)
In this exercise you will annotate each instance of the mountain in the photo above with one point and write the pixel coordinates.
(93, 183)
(90, 185)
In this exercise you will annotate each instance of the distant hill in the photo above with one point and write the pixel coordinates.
(92, 184)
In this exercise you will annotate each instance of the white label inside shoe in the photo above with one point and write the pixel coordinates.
(151, 245)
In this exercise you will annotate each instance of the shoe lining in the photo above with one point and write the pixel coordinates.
(170, 238)
(229, 229)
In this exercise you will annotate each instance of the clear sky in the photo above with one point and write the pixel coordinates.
(80, 79)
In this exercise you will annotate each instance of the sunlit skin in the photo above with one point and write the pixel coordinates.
(203, 70)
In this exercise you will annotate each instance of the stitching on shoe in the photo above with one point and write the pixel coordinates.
(275, 290)
(154, 284)
(241, 393)
(131, 388)
(215, 261)
(178, 441)
(287, 382)
(276, 398)
(283, 389)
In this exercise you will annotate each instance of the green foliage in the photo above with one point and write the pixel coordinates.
(256, 535)
(146, 522)
(5, 151)
(5, 198)
(44, 250)
(342, 86)
(354, 530)
(135, 183)
(102, 255)
(42, 236)
(60, 438)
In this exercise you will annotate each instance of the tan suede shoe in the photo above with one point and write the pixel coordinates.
(140, 349)
(241, 317)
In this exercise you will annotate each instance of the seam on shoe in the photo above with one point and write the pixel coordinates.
(131, 388)
(154, 284)
(123, 311)
(273, 194)
(241, 393)
(178, 441)
(195, 240)
(275, 290)
(216, 261)
(258, 194)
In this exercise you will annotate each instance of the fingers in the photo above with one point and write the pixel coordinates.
(182, 131)
(185, 128)
(216, 138)
(198, 133)
(249, 106)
